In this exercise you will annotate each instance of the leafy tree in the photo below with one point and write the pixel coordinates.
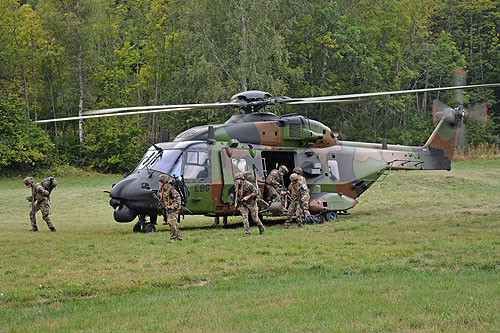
(23, 145)
(112, 145)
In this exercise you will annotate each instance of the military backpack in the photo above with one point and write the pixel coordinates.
(49, 184)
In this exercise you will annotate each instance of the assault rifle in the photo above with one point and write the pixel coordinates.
(31, 199)
(164, 208)
(239, 203)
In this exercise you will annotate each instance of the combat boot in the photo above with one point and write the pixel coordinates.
(34, 228)
(261, 230)
(286, 225)
(52, 229)
(246, 234)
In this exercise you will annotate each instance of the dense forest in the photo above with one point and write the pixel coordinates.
(62, 57)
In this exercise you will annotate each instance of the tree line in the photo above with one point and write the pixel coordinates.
(62, 57)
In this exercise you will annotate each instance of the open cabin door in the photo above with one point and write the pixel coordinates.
(234, 161)
(273, 159)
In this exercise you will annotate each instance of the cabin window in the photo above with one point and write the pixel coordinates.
(333, 168)
(197, 165)
(239, 165)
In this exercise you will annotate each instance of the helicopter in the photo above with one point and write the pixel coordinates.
(206, 158)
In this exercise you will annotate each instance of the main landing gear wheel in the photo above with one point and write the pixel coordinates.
(331, 216)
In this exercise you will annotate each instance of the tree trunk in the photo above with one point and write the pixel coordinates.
(53, 106)
(80, 85)
(34, 78)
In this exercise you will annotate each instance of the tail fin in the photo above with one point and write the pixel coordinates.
(440, 147)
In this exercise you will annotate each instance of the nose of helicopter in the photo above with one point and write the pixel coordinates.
(131, 197)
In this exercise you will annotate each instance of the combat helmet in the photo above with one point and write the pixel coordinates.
(164, 178)
(294, 177)
(28, 180)
(239, 175)
(283, 170)
(297, 170)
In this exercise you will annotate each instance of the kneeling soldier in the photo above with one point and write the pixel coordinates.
(245, 200)
(299, 194)
(274, 183)
(172, 199)
(41, 195)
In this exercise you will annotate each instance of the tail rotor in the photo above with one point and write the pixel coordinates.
(476, 113)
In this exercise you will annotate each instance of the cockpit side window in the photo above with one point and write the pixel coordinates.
(197, 166)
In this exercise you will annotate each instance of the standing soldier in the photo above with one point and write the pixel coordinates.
(274, 183)
(245, 199)
(172, 199)
(299, 193)
(303, 184)
(42, 196)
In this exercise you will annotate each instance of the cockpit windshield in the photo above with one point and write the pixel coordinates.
(166, 161)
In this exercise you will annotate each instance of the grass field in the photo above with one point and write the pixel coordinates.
(420, 252)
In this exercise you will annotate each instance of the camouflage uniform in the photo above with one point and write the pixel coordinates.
(303, 183)
(172, 199)
(298, 192)
(42, 196)
(274, 183)
(249, 206)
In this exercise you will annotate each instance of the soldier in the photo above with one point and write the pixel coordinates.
(274, 183)
(245, 200)
(42, 196)
(172, 199)
(298, 192)
(303, 184)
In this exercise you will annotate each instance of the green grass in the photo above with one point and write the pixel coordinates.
(420, 252)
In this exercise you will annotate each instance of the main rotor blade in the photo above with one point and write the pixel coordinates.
(338, 101)
(163, 107)
(110, 115)
(385, 93)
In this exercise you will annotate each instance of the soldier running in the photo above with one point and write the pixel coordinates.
(172, 199)
(246, 194)
(274, 183)
(298, 191)
(42, 196)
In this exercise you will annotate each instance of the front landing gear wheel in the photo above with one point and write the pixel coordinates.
(149, 227)
(137, 227)
(331, 217)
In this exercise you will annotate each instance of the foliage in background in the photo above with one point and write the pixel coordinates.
(23, 144)
(62, 57)
(112, 145)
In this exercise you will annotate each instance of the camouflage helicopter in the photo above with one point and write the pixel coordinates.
(206, 158)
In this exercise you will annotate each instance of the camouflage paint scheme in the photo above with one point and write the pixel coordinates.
(337, 172)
